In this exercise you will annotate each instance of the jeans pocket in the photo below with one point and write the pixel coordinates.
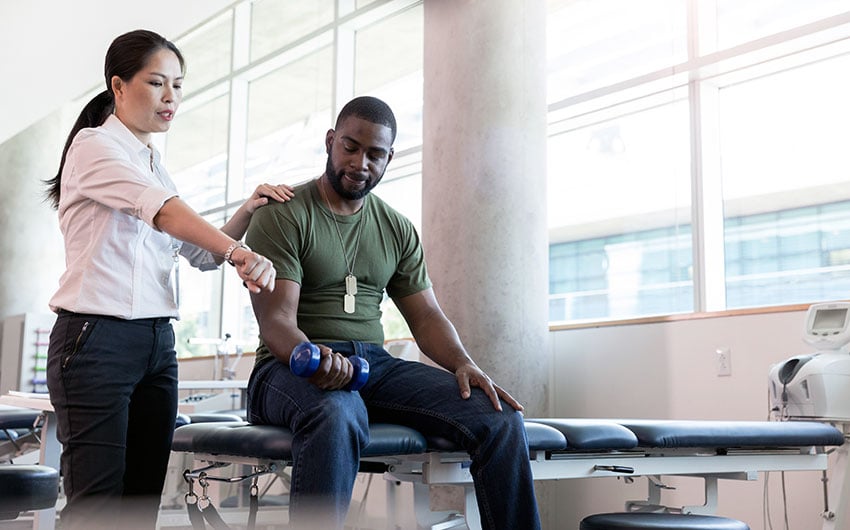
(75, 346)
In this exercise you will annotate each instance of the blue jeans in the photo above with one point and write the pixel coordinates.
(113, 385)
(331, 428)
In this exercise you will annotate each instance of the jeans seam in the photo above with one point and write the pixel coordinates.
(483, 499)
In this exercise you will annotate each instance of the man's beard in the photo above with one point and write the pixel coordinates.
(335, 179)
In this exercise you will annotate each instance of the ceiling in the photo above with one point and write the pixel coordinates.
(51, 51)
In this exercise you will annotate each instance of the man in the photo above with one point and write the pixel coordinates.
(336, 249)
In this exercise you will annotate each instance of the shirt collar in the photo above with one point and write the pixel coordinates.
(125, 136)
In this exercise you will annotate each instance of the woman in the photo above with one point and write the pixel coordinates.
(112, 368)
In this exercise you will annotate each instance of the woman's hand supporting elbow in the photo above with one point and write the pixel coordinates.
(255, 270)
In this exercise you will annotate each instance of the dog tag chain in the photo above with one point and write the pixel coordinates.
(348, 300)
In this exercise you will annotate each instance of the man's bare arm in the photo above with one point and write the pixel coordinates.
(277, 316)
(437, 338)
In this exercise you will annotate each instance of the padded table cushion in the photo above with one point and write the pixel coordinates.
(27, 487)
(729, 434)
(544, 438)
(212, 417)
(544, 434)
(540, 438)
(659, 521)
(18, 418)
(591, 434)
(275, 443)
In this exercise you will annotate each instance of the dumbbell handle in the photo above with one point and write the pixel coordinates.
(304, 361)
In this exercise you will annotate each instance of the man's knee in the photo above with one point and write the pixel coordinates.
(507, 426)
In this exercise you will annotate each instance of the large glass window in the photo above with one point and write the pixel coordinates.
(619, 212)
(736, 183)
(785, 180)
(739, 21)
(207, 52)
(595, 43)
(289, 111)
(394, 73)
(197, 153)
(197, 161)
(790, 255)
(274, 24)
(199, 295)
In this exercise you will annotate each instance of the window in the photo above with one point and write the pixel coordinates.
(784, 169)
(274, 24)
(289, 111)
(596, 43)
(207, 53)
(791, 255)
(619, 212)
(394, 74)
(739, 21)
(695, 155)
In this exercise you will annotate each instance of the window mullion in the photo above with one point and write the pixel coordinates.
(707, 200)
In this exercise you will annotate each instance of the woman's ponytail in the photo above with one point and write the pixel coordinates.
(92, 115)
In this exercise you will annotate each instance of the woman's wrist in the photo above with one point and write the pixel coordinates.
(235, 246)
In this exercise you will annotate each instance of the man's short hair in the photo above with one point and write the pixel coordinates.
(370, 109)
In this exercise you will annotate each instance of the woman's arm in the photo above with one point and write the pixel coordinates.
(177, 219)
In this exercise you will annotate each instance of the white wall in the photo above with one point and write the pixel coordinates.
(51, 51)
(667, 371)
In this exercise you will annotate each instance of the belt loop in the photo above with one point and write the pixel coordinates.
(358, 348)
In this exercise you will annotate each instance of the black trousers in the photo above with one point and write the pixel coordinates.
(113, 385)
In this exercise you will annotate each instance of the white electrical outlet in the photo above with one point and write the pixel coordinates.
(723, 361)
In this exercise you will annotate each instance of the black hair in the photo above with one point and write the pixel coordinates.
(127, 54)
(371, 109)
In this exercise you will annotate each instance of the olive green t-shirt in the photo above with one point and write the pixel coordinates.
(300, 238)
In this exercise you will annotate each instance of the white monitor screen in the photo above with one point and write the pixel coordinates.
(829, 319)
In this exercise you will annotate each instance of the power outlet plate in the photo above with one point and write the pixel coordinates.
(723, 361)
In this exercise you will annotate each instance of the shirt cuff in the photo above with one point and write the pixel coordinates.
(150, 203)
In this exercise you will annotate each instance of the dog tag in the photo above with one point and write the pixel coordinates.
(348, 303)
(351, 284)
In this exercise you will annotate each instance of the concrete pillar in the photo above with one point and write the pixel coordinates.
(484, 224)
(31, 245)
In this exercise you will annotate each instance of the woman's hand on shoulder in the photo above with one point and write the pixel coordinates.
(266, 192)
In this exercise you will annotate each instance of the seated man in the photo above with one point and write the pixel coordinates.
(336, 248)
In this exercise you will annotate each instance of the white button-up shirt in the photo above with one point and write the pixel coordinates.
(116, 263)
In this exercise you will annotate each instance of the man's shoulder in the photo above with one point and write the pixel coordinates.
(294, 207)
(387, 213)
(380, 205)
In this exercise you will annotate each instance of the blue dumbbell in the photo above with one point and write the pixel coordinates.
(304, 361)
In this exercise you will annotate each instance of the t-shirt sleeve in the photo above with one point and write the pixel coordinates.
(274, 234)
(411, 275)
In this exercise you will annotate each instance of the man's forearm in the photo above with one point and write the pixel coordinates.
(440, 342)
(281, 339)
